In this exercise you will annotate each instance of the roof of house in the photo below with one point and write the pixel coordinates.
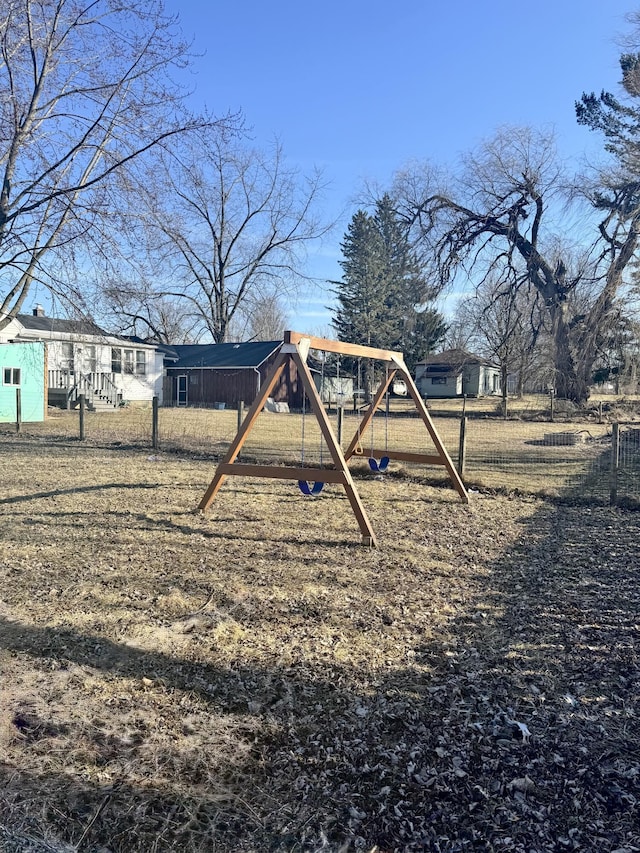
(52, 326)
(220, 356)
(42, 323)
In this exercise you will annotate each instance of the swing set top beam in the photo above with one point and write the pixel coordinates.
(342, 348)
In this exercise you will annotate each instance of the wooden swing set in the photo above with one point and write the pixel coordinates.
(296, 348)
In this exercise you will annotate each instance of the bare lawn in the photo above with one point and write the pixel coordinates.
(256, 680)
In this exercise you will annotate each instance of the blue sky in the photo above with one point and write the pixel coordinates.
(361, 88)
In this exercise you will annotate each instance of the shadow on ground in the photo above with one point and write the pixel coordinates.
(515, 729)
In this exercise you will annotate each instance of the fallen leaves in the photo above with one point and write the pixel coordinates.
(254, 680)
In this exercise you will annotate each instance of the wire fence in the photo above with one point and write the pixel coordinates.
(576, 459)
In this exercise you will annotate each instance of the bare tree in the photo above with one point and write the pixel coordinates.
(231, 225)
(153, 318)
(85, 91)
(505, 214)
(503, 324)
(266, 318)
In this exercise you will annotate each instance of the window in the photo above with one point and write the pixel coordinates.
(90, 361)
(66, 360)
(438, 380)
(128, 361)
(11, 376)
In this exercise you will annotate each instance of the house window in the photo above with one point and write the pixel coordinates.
(66, 360)
(439, 380)
(128, 361)
(90, 361)
(11, 376)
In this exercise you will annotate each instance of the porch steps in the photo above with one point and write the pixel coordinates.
(99, 405)
(59, 397)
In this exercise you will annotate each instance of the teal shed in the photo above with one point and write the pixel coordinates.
(23, 367)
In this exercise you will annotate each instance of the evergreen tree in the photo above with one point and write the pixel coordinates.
(382, 296)
(425, 331)
(361, 316)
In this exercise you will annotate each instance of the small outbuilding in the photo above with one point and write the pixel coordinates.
(455, 373)
(23, 367)
(223, 375)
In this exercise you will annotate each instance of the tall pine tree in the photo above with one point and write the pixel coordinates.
(382, 297)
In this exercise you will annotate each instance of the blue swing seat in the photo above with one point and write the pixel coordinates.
(306, 489)
(379, 467)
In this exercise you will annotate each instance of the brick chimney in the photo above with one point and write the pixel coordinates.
(38, 311)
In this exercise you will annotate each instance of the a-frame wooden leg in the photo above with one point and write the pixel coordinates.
(339, 461)
(368, 415)
(245, 429)
(455, 478)
(440, 458)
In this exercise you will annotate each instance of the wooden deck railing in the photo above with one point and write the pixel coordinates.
(95, 386)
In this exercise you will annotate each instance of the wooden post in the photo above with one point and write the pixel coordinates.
(340, 428)
(83, 406)
(240, 413)
(154, 423)
(615, 464)
(18, 410)
(551, 399)
(462, 446)
(600, 412)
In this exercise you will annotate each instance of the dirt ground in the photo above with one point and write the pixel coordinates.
(256, 680)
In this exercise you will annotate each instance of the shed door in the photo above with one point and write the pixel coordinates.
(182, 391)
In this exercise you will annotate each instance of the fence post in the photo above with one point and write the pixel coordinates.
(154, 423)
(615, 464)
(18, 410)
(551, 407)
(83, 405)
(462, 446)
(240, 413)
(340, 424)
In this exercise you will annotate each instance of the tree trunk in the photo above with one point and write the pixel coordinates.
(569, 383)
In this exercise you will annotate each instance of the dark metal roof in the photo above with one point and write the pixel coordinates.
(221, 356)
(67, 327)
(453, 360)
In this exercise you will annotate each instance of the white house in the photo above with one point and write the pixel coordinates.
(84, 359)
(455, 372)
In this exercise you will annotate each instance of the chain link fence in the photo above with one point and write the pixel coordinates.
(581, 459)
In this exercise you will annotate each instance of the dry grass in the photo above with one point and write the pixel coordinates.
(255, 680)
(510, 454)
